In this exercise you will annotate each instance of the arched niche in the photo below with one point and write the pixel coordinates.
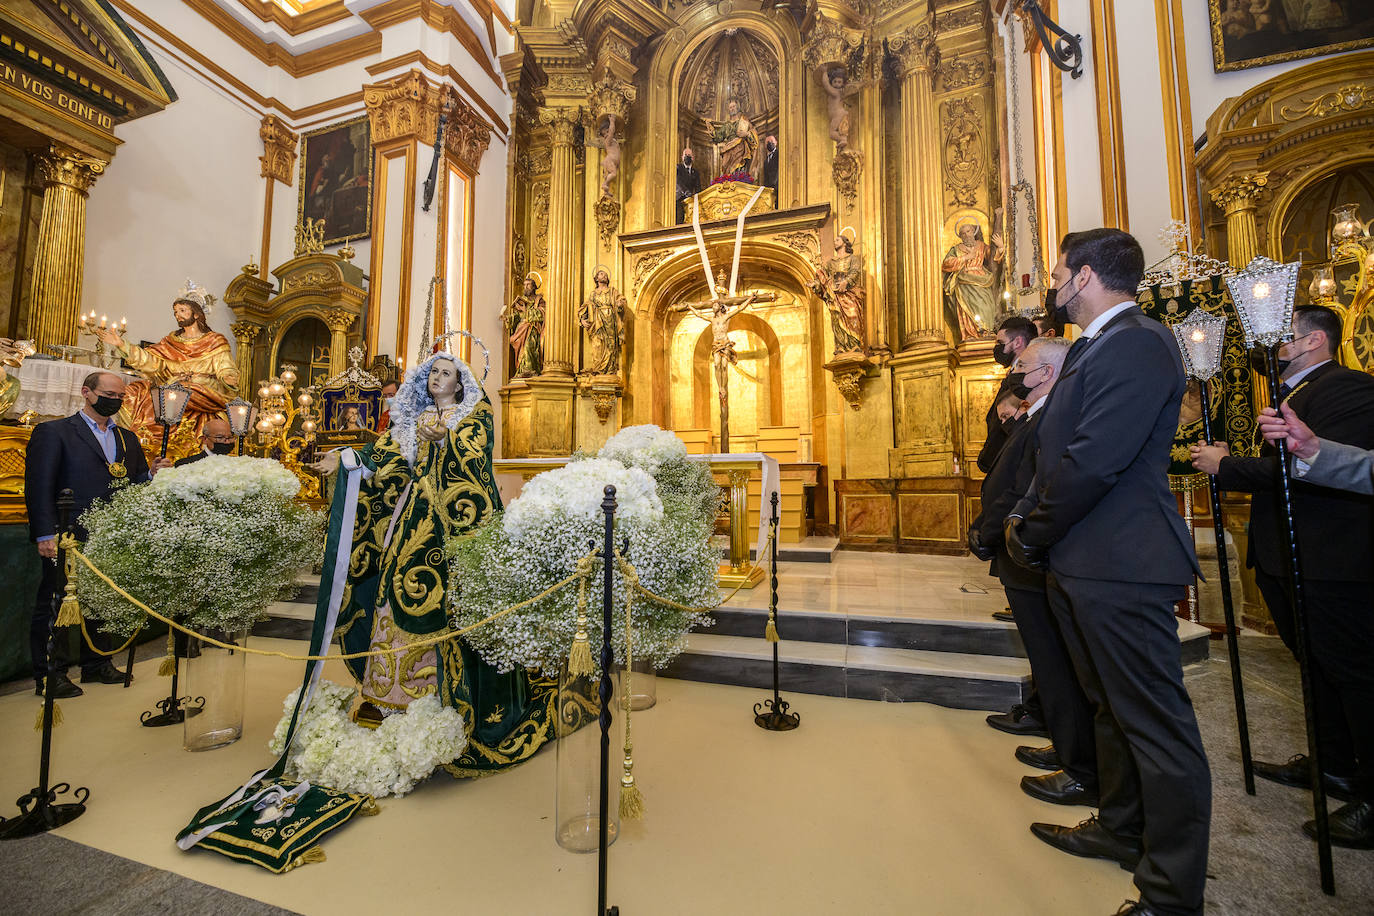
(304, 343)
(792, 329)
(778, 34)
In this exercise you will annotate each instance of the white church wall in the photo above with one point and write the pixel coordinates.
(174, 203)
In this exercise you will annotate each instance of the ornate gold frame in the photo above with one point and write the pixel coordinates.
(309, 135)
(1221, 65)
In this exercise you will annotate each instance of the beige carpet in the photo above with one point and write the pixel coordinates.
(867, 808)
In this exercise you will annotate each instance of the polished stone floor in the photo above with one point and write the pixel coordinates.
(883, 585)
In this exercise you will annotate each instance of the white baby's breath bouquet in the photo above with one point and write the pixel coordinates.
(665, 508)
(210, 544)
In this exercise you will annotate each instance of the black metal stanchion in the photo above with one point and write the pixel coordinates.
(777, 718)
(175, 708)
(604, 692)
(39, 811)
(1304, 644)
(1232, 630)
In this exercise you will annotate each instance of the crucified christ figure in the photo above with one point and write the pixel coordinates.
(718, 312)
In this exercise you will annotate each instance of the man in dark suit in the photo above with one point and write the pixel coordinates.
(1335, 541)
(1060, 699)
(91, 456)
(688, 183)
(1013, 334)
(769, 173)
(216, 438)
(1099, 518)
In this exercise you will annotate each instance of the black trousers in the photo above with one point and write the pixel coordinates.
(1340, 619)
(53, 583)
(1065, 708)
(1153, 778)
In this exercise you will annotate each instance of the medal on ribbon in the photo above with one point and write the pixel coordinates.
(119, 475)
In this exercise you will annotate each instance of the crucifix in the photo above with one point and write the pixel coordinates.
(723, 306)
(717, 312)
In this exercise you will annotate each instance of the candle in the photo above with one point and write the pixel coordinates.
(103, 319)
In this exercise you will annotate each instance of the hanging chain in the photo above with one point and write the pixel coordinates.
(1022, 187)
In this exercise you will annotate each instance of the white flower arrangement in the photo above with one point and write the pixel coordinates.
(227, 479)
(646, 447)
(209, 544)
(331, 750)
(667, 520)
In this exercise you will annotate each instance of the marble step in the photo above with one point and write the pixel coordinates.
(959, 636)
(954, 679)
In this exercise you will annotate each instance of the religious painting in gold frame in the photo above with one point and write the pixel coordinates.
(336, 180)
(1253, 33)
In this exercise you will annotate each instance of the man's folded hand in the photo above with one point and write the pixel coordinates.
(1023, 554)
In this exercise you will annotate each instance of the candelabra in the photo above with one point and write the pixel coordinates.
(286, 426)
(89, 324)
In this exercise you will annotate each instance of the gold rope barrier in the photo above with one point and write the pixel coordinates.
(584, 572)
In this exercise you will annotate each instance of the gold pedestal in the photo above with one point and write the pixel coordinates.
(727, 199)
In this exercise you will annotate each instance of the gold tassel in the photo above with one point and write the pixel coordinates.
(56, 717)
(631, 799)
(580, 662)
(311, 855)
(69, 614)
(169, 661)
(369, 808)
(770, 632)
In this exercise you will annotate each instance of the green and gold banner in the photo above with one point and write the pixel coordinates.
(1229, 391)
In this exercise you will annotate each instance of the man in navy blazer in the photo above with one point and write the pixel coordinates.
(1100, 520)
(90, 455)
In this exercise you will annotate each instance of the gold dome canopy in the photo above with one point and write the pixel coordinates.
(735, 63)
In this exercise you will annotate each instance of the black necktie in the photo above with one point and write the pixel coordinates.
(1285, 390)
(1075, 351)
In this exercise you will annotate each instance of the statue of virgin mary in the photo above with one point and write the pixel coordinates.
(431, 481)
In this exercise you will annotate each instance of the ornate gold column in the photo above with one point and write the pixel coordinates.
(245, 332)
(1237, 196)
(561, 282)
(58, 263)
(339, 322)
(922, 190)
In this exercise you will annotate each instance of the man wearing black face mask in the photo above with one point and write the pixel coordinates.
(1335, 539)
(91, 456)
(688, 183)
(1012, 336)
(216, 438)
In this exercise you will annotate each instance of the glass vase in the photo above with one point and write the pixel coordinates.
(643, 685)
(214, 681)
(577, 804)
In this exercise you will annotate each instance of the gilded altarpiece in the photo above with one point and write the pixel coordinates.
(871, 128)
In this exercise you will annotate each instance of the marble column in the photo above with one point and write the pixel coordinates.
(67, 177)
(922, 204)
(560, 328)
(1238, 196)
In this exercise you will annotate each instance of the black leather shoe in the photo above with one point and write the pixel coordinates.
(1352, 826)
(1018, 722)
(1136, 908)
(63, 688)
(1004, 616)
(1091, 841)
(1297, 772)
(1058, 788)
(105, 674)
(1042, 758)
